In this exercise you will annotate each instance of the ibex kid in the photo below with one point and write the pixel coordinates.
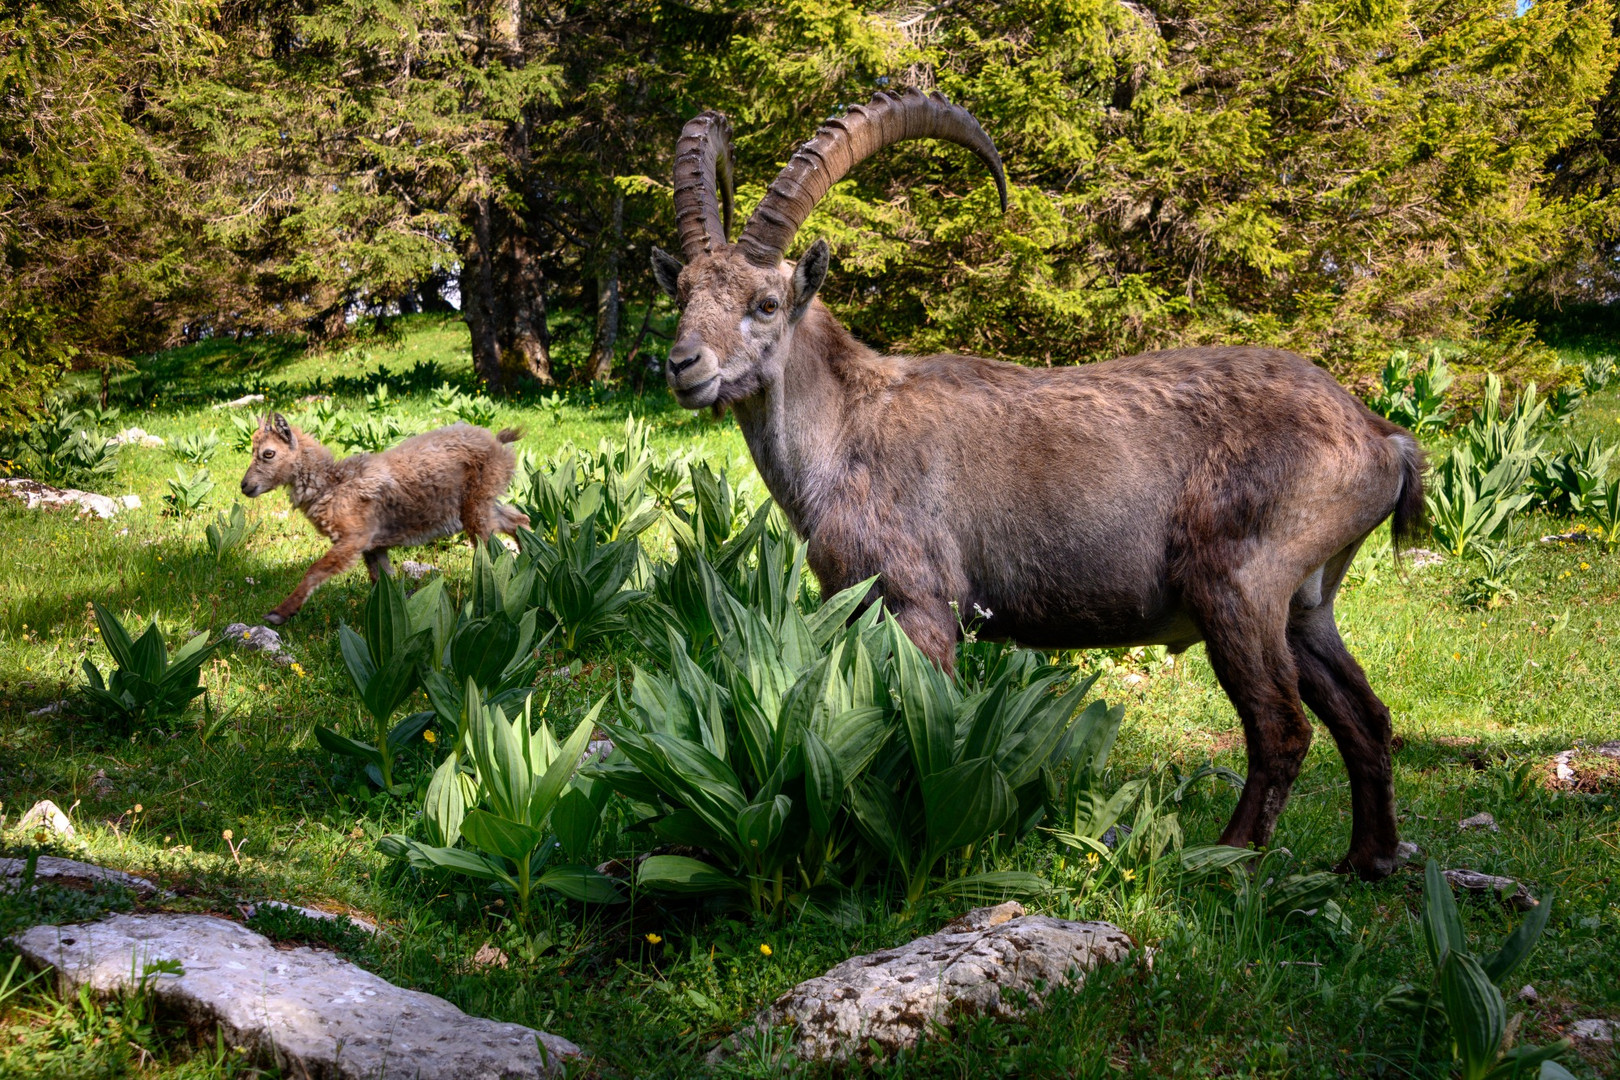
(428, 486)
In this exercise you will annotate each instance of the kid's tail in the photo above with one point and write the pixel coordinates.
(510, 434)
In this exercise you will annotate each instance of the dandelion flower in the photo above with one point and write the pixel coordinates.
(654, 939)
(139, 809)
(1586, 566)
(1128, 875)
(428, 736)
(227, 834)
(764, 950)
(1092, 858)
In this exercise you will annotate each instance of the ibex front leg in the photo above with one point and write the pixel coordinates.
(339, 559)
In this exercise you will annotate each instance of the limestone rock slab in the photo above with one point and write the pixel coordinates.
(314, 1014)
(1505, 889)
(53, 868)
(992, 961)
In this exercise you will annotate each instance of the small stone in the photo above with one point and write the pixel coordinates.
(595, 750)
(1598, 1031)
(253, 638)
(1609, 749)
(1563, 769)
(1480, 820)
(52, 868)
(488, 956)
(1505, 889)
(130, 502)
(48, 710)
(237, 403)
(48, 816)
(416, 571)
(1406, 851)
(1528, 995)
(1422, 558)
(307, 1011)
(1567, 538)
(38, 496)
(989, 962)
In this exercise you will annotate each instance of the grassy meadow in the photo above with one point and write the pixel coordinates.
(1482, 697)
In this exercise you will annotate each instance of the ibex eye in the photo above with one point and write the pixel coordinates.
(768, 306)
(268, 454)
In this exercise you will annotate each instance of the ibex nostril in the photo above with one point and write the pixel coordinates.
(678, 366)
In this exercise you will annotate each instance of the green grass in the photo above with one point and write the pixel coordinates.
(1475, 694)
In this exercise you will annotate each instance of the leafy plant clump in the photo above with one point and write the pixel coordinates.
(147, 688)
(1465, 1000)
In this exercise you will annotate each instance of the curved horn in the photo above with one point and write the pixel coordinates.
(702, 156)
(840, 145)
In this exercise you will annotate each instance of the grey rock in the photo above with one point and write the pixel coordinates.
(309, 1012)
(1420, 558)
(416, 571)
(253, 638)
(595, 750)
(1609, 749)
(1599, 1031)
(1480, 820)
(1527, 994)
(1563, 769)
(1505, 889)
(237, 403)
(48, 816)
(52, 868)
(990, 962)
(38, 496)
(48, 710)
(1406, 851)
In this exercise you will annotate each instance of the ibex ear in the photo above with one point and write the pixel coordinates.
(807, 278)
(667, 269)
(280, 428)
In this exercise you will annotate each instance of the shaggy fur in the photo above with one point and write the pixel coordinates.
(428, 486)
(1213, 495)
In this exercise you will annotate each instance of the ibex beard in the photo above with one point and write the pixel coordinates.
(1214, 495)
(430, 485)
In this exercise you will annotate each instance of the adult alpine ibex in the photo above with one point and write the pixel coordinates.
(1211, 494)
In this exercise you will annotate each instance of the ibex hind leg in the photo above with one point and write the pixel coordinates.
(509, 519)
(1246, 640)
(1336, 689)
(377, 564)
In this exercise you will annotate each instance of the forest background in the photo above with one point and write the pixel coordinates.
(1335, 177)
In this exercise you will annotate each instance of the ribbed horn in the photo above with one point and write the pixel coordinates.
(702, 157)
(840, 145)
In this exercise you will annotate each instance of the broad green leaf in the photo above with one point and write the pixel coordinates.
(334, 743)
(574, 820)
(511, 840)
(925, 704)
(114, 636)
(1208, 858)
(409, 729)
(759, 825)
(964, 804)
(1502, 963)
(581, 883)
(679, 874)
(463, 862)
(1474, 1010)
(550, 785)
(823, 784)
(994, 883)
(356, 657)
(445, 804)
(1442, 926)
(877, 815)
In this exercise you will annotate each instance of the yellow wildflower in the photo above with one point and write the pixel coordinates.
(1092, 859)
(654, 939)
(1586, 566)
(1128, 875)
(227, 834)
(764, 950)
(139, 809)
(430, 737)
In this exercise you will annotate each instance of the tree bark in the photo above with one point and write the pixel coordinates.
(600, 364)
(503, 299)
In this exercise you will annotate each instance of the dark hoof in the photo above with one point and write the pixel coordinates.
(273, 619)
(1368, 867)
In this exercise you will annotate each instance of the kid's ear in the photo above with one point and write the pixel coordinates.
(280, 428)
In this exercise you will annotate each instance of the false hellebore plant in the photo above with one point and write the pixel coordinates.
(501, 810)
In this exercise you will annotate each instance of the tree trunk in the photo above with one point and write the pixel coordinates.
(503, 299)
(478, 295)
(600, 364)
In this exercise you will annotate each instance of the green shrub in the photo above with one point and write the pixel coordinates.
(1413, 395)
(187, 491)
(147, 688)
(195, 449)
(1466, 996)
(226, 534)
(1567, 482)
(60, 449)
(500, 810)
